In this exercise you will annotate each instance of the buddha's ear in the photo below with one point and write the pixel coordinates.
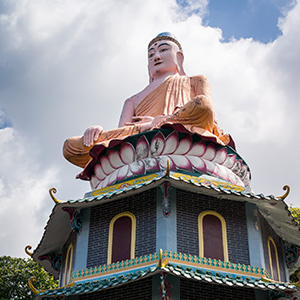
(150, 78)
(180, 59)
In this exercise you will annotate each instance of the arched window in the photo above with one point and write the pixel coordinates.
(68, 265)
(212, 235)
(121, 239)
(273, 259)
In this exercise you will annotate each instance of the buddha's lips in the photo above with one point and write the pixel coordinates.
(158, 63)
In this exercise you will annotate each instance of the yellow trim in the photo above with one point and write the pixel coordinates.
(68, 265)
(110, 235)
(224, 232)
(270, 240)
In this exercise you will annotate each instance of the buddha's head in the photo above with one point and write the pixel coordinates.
(164, 56)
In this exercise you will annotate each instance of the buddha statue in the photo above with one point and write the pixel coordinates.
(171, 97)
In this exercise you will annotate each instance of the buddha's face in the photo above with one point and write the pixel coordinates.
(163, 58)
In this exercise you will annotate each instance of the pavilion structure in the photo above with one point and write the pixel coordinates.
(170, 215)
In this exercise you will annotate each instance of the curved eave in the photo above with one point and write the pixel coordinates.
(58, 228)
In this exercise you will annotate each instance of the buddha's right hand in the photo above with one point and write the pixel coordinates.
(91, 135)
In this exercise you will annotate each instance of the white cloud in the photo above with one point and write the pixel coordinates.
(23, 190)
(66, 65)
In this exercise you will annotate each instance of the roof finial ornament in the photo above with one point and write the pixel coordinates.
(27, 248)
(51, 191)
(287, 188)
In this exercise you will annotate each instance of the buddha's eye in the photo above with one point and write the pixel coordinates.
(163, 49)
(151, 55)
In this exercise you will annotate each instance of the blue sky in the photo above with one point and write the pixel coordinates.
(255, 19)
(67, 65)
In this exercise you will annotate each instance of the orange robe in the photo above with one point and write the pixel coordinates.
(173, 99)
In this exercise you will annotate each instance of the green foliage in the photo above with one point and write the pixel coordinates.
(14, 275)
(295, 212)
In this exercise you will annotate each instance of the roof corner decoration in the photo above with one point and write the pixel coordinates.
(27, 248)
(51, 192)
(287, 188)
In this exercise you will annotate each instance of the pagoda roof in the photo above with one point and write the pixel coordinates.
(58, 228)
(177, 270)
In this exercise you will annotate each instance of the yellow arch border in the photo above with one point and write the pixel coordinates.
(68, 265)
(270, 240)
(224, 232)
(110, 235)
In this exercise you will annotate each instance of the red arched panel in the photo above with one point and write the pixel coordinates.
(212, 237)
(121, 239)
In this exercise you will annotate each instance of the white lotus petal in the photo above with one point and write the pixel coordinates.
(171, 143)
(237, 167)
(230, 160)
(115, 159)
(104, 183)
(99, 172)
(157, 144)
(211, 167)
(127, 153)
(94, 182)
(184, 145)
(137, 167)
(142, 148)
(222, 172)
(122, 172)
(106, 166)
(163, 162)
(151, 164)
(243, 172)
(210, 152)
(198, 163)
(197, 149)
(181, 162)
(221, 156)
(112, 178)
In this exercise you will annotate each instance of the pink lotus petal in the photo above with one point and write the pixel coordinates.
(230, 160)
(157, 144)
(198, 163)
(221, 156)
(94, 182)
(210, 152)
(181, 162)
(151, 164)
(197, 149)
(171, 143)
(142, 148)
(99, 172)
(127, 153)
(114, 159)
(106, 166)
(137, 167)
(163, 162)
(184, 145)
(122, 172)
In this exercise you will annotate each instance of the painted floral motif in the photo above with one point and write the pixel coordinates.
(150, 156)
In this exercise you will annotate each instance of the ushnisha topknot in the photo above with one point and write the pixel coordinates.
(165, 36)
